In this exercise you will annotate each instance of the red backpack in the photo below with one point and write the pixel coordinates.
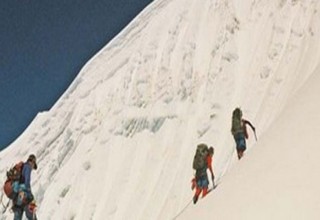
(13, 175)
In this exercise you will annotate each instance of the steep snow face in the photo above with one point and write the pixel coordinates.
(119, 143)
(278, 180)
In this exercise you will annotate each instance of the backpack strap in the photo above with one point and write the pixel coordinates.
(21, 180)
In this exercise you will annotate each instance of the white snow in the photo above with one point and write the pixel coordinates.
(119, 143)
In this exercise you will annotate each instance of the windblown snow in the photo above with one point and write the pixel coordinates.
(119, 143)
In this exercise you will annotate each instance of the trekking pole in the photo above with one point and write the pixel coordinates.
(2, 198)
(5, 207)
(255, 134)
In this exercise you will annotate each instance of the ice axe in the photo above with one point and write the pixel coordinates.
(255, 134)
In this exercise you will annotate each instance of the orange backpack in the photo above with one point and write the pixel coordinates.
(14, 175)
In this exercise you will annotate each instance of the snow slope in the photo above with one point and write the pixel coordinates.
(119, 143)
(278, 180)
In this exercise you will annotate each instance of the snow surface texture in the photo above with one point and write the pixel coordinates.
(119, 143)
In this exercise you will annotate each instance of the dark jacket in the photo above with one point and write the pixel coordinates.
(26, 178)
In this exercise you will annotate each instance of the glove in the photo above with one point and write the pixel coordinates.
(193, 183)
(32, 206)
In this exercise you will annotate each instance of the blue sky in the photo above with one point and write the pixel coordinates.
(44, 44)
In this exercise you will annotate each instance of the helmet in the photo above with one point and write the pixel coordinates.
(211, 150)
(32, 158)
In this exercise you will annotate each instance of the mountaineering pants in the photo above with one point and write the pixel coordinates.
(18, 213)
(203, 182)
(202, 185)
(240, 141)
